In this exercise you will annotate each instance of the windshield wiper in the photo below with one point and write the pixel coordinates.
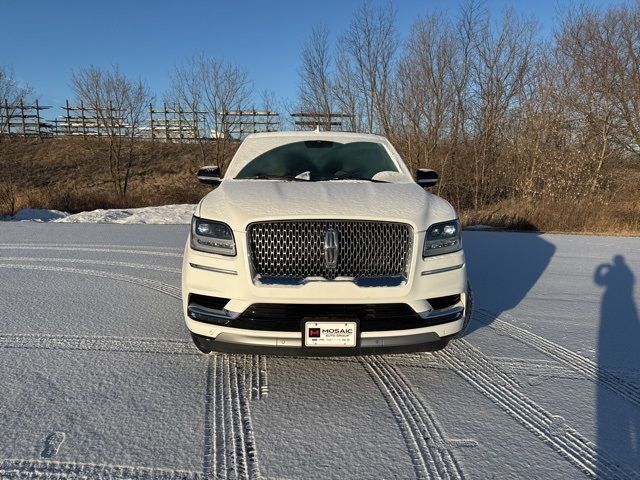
(275, 177)
(353, 177)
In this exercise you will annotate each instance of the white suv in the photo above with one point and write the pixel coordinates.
(321, 243)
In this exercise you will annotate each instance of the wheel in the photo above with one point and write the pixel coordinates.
(202, 343)
(468, 309)
(437, 346)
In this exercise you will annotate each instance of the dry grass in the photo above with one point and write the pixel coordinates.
(580, 217)
(72, 175)
(614, 211)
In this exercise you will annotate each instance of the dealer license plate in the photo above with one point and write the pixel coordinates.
(330, 334)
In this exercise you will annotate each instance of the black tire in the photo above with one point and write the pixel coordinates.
(204, 344)
(468, 310)
(437, 346)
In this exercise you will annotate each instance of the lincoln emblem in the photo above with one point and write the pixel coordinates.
(331, 248)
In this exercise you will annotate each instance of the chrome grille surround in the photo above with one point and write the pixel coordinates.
(294, 249)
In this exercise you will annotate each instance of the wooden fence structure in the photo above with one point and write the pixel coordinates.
(240, 123)
(23, 119)
(168, 123)
(173, 123)
(80, 120)
(309, 120)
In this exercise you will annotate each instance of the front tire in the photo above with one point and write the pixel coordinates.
(202, 343)
(437, 346)
(468, 310)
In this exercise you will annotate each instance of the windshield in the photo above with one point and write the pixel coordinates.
(318, 160)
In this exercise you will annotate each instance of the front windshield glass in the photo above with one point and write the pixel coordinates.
(319, 160)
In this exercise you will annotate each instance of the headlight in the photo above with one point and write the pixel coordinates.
(442, 238)
(212, 237)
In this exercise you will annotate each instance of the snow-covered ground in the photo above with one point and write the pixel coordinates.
(100, 380)
(34, 215)
(164, 214)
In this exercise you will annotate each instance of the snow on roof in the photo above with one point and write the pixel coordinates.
(321, 135)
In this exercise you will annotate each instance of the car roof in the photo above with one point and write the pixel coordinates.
(315, 134)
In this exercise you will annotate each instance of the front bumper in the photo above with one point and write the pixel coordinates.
(231, 278)
(242, 343)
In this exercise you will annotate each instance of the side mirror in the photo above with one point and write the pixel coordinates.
(426, 177)
(210, 175)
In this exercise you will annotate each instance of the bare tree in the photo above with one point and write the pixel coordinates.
(315, 92)
(11, 93)
(426, 95)
(346, 95)
(216, 86)
(366, 66)
(503, 58)
(187, 93)
(270, 103)
(119, 104)
(601, 50)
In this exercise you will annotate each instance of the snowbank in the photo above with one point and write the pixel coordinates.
(480, 226)
(165, 214)
(35, 215)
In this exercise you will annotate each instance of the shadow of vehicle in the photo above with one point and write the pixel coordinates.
(502, 268)
(618, 428)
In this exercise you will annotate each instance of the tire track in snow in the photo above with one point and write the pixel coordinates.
(430, 451)
(209, 420)
(233, 447)
(551, 368)
(229, 443)
(230, 451)
(529, 367)
(536, 371)
(52, 470)
(52, 444)
(256, 376)
(264, 377)
(100, 344)
(542, 369)
(161, 287)
(76, 248)
(533, 366)
(137, 266)
(486, 377)
(229, 440)
(578, 363)
(89, 245)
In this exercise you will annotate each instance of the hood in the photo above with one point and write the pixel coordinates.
(241, 202)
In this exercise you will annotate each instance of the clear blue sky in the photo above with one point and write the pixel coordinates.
(46, 39)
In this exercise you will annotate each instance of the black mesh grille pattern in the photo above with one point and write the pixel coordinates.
(295, 249)
(287, 317)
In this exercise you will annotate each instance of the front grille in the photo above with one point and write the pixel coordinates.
(295, 249)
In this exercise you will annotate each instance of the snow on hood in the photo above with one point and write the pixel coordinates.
(240, 202)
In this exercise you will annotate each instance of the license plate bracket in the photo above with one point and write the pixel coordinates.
(330, 333)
